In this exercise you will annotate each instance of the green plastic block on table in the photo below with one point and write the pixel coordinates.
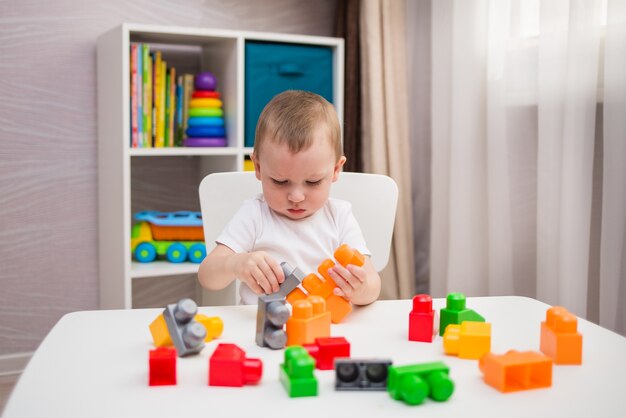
(455, 312)
(296, 373)
(413, 383)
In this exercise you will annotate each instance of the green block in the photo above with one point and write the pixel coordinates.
(413, 383)
(296, 373)
(455, 312)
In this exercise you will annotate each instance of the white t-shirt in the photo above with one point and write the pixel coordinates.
(303, 243)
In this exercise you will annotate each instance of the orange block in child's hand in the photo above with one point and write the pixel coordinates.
(309, 320)
(338, 306)
(560, 339)
(347, 255)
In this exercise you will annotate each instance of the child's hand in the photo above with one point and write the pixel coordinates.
(350, 280)
(260, 272)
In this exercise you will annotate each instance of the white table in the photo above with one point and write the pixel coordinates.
(95, 364)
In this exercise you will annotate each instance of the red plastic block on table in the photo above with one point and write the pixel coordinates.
(515, 370)
(326, 350)
(228, 366)
(162, 365)
(560, 339)
(422, 319)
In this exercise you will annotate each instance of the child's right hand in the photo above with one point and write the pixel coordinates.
(260, 272)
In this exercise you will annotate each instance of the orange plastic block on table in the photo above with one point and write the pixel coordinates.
(515, 370)
(309, 320)
(560, 339)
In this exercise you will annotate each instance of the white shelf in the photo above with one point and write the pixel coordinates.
(161, 268)
(121, 192)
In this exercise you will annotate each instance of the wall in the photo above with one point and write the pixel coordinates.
(48, 196)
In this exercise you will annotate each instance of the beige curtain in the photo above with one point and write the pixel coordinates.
(386, 127)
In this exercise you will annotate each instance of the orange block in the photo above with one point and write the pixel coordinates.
(348, 255)
(560, 339)
(516, 371)
(470, 340)
(309, 320)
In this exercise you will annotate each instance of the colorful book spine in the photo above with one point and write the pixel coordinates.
(179, 112)
(170, 120)
(147, 96)
(133, 95)
(188, 86)
(160, 139)
(139, 95)
(168, 99)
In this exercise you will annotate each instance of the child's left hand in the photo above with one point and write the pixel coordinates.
(350, 280)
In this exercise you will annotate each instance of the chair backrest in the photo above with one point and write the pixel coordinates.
(374, 199)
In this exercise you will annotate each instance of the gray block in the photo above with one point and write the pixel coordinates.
(272, 314)
(293, 278)
(186, 333)
(361, 375)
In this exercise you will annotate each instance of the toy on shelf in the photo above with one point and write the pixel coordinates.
(560, 339)
(176, 235)
(455, 312)
(413, 383)
(177, 324)
(162, 365)
(309, 320)
(205, 125)
(336, 305)
(272, 314)
(422, 319)
(296, 373)
(515, 370)
(361, 375)
(229, 366)
(326, 350)
(470, 340)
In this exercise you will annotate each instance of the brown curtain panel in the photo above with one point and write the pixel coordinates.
(347, 26)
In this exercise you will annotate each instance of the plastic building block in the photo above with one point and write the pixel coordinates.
(309, 320)
(293, 278)
(362, 375)
(455, 312)
(515, 370)
(228, 366)
(413, 383)
(296, 373)
(162, 365)
(160, 335)
(187, 334)
(272, 314)
(470, 340)
(326, 350)
(560, 339)
(422, 319)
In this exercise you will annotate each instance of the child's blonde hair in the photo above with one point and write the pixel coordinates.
(292, 118)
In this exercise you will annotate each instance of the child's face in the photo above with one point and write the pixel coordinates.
(297, 185)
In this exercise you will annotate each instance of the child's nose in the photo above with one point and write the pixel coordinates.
(296, 195)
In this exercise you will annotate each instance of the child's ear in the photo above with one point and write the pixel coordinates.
(338, 167)
(257, 166)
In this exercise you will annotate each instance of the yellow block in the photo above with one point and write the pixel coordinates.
(470, 340)
(161, 337)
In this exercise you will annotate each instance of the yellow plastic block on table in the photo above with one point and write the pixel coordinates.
(560, 339)
(309, 320)
(161, 336)
(470, 340)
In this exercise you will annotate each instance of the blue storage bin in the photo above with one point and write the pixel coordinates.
(275, 67)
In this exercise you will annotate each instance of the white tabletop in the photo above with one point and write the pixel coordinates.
(95, 364)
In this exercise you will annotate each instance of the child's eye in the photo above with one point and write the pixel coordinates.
(279, 182)
(314, 183)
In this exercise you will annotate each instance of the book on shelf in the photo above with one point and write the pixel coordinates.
(139, 83)
(172, 106)
(133, 95)
(147, 96)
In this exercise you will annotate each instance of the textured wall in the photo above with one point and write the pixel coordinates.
(48, 196)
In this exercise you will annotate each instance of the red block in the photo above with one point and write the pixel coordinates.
(228, 366)
(325, 350)
(162, 364)
(421, 319)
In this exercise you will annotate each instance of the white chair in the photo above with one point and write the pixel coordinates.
(374, 199)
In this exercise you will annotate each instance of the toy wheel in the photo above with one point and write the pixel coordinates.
(197, 252)
(145, 252)
(413, 389)
(441, 387)
(176, 253)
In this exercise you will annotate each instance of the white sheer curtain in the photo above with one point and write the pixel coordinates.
(528, 187)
